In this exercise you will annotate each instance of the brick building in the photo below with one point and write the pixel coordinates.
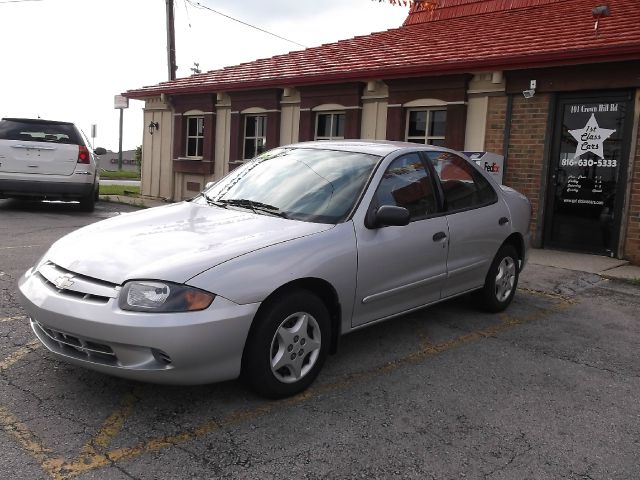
(552, 85)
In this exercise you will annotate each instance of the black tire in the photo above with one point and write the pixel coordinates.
(501, 281)
(278, 336)
(88, 202)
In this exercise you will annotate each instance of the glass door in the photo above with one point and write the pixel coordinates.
(588, 165)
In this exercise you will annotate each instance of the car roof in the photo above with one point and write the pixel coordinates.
(38, 121)
(380, 148)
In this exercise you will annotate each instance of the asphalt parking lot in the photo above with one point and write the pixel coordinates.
(547, 390)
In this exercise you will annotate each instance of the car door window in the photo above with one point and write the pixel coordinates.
(407, 184)
(463, 186)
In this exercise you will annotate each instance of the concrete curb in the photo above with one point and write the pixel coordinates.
(138, 201)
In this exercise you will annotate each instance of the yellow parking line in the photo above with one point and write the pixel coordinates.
(112, 425)
(543, 293)
(28, 441)
(91, 459)
(12, 319)
(426, 350)
(19, 355)
(19, 246)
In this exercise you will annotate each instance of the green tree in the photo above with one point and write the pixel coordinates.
(138, 159)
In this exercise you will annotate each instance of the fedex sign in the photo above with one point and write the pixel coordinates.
(492, 163)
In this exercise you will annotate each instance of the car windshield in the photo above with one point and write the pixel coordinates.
(306, 184)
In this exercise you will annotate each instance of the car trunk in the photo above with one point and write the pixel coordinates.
(17, 156)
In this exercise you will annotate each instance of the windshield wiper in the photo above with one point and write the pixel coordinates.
(216, 203)
(252, 205)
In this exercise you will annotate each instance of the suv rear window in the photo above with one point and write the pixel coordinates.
(39, 131)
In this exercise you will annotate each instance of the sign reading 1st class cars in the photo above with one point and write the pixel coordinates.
(585, 160)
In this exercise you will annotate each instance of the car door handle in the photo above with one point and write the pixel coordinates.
(503, 220)
(439, 236)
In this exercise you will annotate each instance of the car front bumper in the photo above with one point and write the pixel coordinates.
(175, 348)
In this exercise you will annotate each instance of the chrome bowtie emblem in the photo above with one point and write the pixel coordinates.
(63, 281)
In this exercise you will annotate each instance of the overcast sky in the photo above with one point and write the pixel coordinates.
(66, 59)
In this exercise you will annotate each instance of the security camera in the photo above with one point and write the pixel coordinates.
(529, 93)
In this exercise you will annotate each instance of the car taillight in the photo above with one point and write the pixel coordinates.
(83, 154)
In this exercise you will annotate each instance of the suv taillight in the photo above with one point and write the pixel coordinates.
(83, 154)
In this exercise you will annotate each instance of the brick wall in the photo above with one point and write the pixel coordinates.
(494, 134)
(525, 161)
(632, 242)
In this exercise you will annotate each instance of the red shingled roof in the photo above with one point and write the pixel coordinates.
(444, 9)
(561, 32)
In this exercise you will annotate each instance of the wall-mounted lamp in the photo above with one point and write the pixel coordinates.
(532, 89)
(153, 126)
(599, 12)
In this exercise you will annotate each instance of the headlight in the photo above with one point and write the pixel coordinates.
(164, 297)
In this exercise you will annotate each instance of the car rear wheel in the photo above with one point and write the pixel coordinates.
(501, 281)
(288, 345)
(88, 202)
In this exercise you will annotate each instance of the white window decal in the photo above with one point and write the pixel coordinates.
(590, 138)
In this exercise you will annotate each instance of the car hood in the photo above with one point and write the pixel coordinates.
(173, 242)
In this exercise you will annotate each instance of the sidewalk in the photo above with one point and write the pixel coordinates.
(603, 266)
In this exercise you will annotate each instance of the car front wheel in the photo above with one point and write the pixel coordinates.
(288, 345)
(501, 281)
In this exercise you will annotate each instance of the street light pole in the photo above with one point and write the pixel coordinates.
(120, 142)
(120, 103)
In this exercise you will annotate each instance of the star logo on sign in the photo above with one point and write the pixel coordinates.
(590, 138)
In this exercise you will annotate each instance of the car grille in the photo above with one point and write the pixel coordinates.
(74, 346)
(74, 285)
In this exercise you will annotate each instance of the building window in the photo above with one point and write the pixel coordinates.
(426, 126)
(255, 135)
(330, 126)
(195, 136)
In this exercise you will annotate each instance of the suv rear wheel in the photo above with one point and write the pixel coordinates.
(88, 202)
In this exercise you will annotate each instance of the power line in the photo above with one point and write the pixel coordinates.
(19, 1)
(199, 5)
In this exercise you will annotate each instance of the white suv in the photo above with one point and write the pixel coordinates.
(47, 160)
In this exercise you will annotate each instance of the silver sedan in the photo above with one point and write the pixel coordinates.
(262, 272)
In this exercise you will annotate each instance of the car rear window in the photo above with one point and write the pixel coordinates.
(39, 131)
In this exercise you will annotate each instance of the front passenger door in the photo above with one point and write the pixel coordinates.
(401, 268)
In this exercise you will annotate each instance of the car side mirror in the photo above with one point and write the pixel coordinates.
(390, 216)
(99, 151)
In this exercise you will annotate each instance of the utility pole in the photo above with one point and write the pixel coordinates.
(171, 42)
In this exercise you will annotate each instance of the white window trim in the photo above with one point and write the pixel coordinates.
(332, 113)
(426, 138)
(187, 136)
(245, 138)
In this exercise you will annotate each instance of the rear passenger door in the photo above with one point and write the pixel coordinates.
(477, 218)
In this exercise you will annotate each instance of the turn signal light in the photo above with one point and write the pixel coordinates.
(83, 154)
(197, 300)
